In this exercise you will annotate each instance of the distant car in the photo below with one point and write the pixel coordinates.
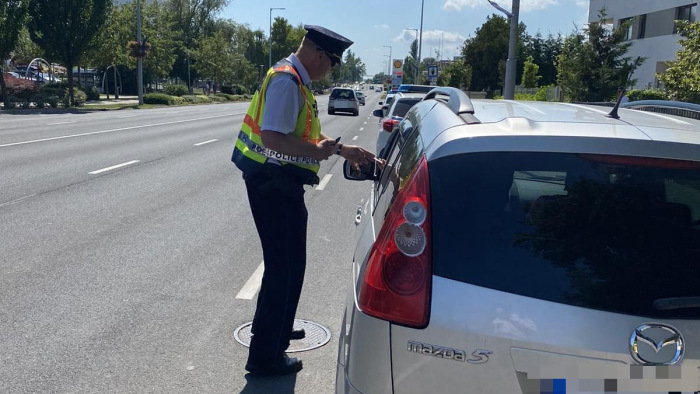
(319, 91)
(512, 247)
(415, 88)
(343, 100)
(378, 89)
(400, 105)
(360, 97)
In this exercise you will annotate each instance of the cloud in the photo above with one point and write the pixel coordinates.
(382, 26)
(525, 5)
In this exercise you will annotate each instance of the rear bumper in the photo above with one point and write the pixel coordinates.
(342, 383)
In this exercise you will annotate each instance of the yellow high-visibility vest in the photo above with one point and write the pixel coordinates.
(250, 153)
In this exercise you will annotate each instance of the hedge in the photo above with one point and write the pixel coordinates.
(158, 98)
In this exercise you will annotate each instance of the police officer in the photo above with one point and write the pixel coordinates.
(278, 150)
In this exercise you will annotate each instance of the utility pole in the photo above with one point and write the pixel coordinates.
(420, 43)
(509, 83)
(139, 71)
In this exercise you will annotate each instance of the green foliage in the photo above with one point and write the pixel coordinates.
(530, 71)
(80, 20)
(228, 97)
(195, 99)
(19, 91)
(682, 77)
(649, 94)
(13, 14)
(60, 91)
(592, 64)
(92, 93)
(79, 98)
(544, 52)
(158, 98)
(487, 49)
(176, 90)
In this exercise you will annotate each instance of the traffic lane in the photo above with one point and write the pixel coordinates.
(40, 126)
(134, 279)
(42, 166)
(133, 283)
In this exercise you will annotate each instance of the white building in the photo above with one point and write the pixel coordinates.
(652, 31)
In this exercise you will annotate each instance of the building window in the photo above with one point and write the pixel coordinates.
(685, 13)
(642, 26)
(628, 27)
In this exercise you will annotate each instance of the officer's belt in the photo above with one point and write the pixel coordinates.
(273, 154)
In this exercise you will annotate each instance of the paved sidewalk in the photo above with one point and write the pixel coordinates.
(121, 100)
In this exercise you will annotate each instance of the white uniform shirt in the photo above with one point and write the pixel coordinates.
(283, 100)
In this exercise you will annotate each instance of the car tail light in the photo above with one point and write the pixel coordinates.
(396, 282)
(388, 125)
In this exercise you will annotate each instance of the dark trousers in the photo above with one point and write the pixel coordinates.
(277, 203)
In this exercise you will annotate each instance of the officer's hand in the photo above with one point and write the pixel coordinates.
(325, 149)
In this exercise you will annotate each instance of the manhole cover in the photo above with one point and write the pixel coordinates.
(316, 336)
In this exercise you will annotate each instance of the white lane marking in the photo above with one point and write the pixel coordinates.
(17, 200)
(362, 128)
(354, 138)
(113, 130)
(205, 142)
(53, 124)
(113, 167)
(324, 182)
(252, 285)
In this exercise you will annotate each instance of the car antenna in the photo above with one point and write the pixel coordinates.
(613, 114)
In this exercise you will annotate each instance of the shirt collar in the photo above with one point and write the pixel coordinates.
(305, 79)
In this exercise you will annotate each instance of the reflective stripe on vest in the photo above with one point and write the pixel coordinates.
(250, 151)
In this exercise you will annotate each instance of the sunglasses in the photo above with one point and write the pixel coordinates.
(335, 59)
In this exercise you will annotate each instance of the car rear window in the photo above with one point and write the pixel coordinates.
(619, 235)
(403, 105)
(341, 94)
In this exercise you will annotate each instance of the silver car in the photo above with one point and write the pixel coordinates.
(534, 247)
(343, 100)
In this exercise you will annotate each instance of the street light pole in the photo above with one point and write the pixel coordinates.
(420, 42)
(415, 71)
(509, 83)
(139, 72)
(390, 59)
(270, 54)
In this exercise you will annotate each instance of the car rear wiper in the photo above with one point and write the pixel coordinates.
(666, 304)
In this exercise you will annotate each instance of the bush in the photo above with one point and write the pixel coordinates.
(234, 89)
(227, 89)
(21, 91)
(158, 98)
(178, 100)
(92, 93)
(176, 90)
(60, 91)
(196, 99)
(649, 94)
(217, 99)
(228, 97)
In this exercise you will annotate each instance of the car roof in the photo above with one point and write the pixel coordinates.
(559, 127)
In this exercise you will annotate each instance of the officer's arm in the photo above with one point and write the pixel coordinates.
(290, 145)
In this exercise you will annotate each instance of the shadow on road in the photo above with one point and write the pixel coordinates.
(269, 384)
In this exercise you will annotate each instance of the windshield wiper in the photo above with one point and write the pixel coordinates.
(666, 304)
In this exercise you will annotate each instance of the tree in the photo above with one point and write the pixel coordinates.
(13, 14)
(544, 53)
(530, 73)
(682, 78)
(487, 49)
(592, 64)
(410, 64)
(193, 19)
(64, 29)
(457, 74)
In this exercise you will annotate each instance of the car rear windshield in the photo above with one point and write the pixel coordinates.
(342, 94)
(403, 105)
(611, 233)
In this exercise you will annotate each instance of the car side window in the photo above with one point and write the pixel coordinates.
(403, 157)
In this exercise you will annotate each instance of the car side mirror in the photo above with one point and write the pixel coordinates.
(363, 173)
(381, 103)
(378, 113)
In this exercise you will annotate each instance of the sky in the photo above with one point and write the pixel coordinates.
(375, 25)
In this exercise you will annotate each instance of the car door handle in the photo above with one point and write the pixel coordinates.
(358, 215)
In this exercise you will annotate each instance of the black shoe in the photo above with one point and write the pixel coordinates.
(285, 366)
(298, 334)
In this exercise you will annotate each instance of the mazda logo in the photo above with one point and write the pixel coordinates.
(657, 344)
